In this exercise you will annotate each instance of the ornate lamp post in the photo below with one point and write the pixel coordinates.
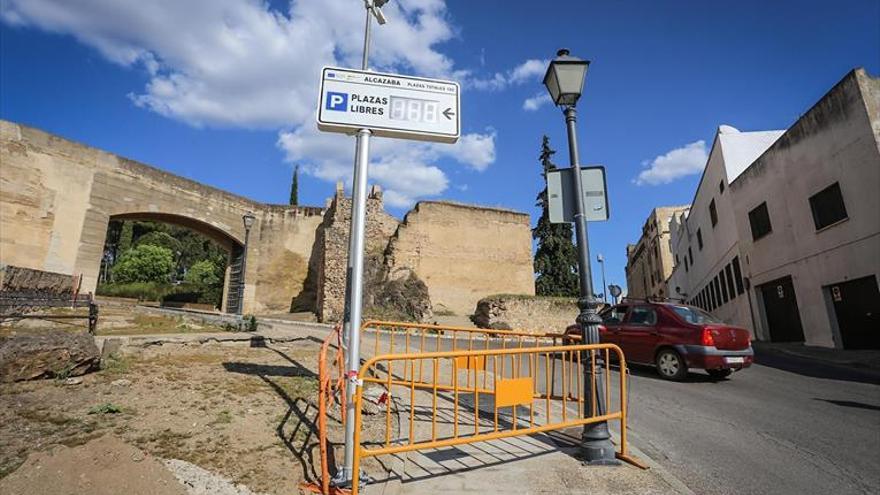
(565, 82)
(248, 219)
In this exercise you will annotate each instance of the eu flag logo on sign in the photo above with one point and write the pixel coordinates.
(337, 101)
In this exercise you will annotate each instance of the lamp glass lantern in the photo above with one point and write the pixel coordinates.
(565, 78)
(248, 219)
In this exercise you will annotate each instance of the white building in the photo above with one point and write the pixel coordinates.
(708, 267)
(784, 233)
(808, 217)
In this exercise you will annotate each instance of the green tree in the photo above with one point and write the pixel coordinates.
(144, 263)
(556, 257)
(161, 239)
(294, 187)
(204, 273)
(126, 237)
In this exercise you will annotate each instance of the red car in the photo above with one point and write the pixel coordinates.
(674, 338)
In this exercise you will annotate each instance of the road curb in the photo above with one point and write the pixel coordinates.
(661, 471)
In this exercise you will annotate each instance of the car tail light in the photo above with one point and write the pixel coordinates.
(706, 339)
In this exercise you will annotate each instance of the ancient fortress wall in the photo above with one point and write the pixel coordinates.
(464, 253)
(57, 197)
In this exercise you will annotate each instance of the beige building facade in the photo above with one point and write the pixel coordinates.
(650, 261)
(784, 234)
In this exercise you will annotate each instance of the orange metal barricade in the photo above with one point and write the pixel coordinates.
(331, 385)
(518, 379)
(518, 370)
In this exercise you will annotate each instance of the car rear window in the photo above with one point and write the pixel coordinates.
(694, 315)
(643, 315)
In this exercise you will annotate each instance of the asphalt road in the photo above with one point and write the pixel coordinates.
(783, 426)
(793, 427)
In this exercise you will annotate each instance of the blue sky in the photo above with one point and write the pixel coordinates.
(223, 91)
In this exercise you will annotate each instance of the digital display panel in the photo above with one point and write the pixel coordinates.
(414, 110)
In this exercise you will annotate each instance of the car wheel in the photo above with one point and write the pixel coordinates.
(670, 365)
(719, 374)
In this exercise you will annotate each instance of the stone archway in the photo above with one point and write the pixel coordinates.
(57, 197)
(234, 249)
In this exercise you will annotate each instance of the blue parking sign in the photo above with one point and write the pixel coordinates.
(337, 101)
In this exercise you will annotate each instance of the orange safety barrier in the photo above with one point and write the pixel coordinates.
(423, 337)
(516, 378)
(331, 384)
(449, 363)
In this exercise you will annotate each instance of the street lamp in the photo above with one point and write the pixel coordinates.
(248, 219)
(565, 82)
(601, 260)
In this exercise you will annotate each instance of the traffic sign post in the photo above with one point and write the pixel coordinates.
(561, 194)
(365, 103)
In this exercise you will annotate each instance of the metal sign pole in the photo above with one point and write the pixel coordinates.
(355, 274)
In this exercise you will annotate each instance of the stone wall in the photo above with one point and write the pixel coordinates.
(534, 314)
(57, 197)
(464, 253)
(37, 282)
(333, 259)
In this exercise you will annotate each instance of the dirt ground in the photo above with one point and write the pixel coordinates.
(244, 411)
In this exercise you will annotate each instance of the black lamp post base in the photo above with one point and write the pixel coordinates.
(598, 453)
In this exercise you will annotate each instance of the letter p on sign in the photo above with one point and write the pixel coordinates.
(337, 101)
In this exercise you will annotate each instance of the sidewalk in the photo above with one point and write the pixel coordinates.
(824, 362)
(539, 464)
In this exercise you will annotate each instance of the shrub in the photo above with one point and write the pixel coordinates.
(144, 263)
(143, 291)
(204, 273)
(194, 293)
(161, 239)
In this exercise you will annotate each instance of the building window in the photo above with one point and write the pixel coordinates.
(723, 280)
(737, 273)
(713, 213)
(730, 286)
(759, 219)
(721, 187)
(691, 255)
(700, 239)
(712, 297)
(827, 206)
(716, 288)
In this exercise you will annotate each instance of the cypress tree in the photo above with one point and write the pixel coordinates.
(294, 187)
(556, 257)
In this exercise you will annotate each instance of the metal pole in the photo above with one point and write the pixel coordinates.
(354, 286)
(247, 233)
(596, 439)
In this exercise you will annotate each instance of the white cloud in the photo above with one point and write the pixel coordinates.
(687, 160)
(404, 168)
(537, 101)
(527, 71)
(238, 63)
